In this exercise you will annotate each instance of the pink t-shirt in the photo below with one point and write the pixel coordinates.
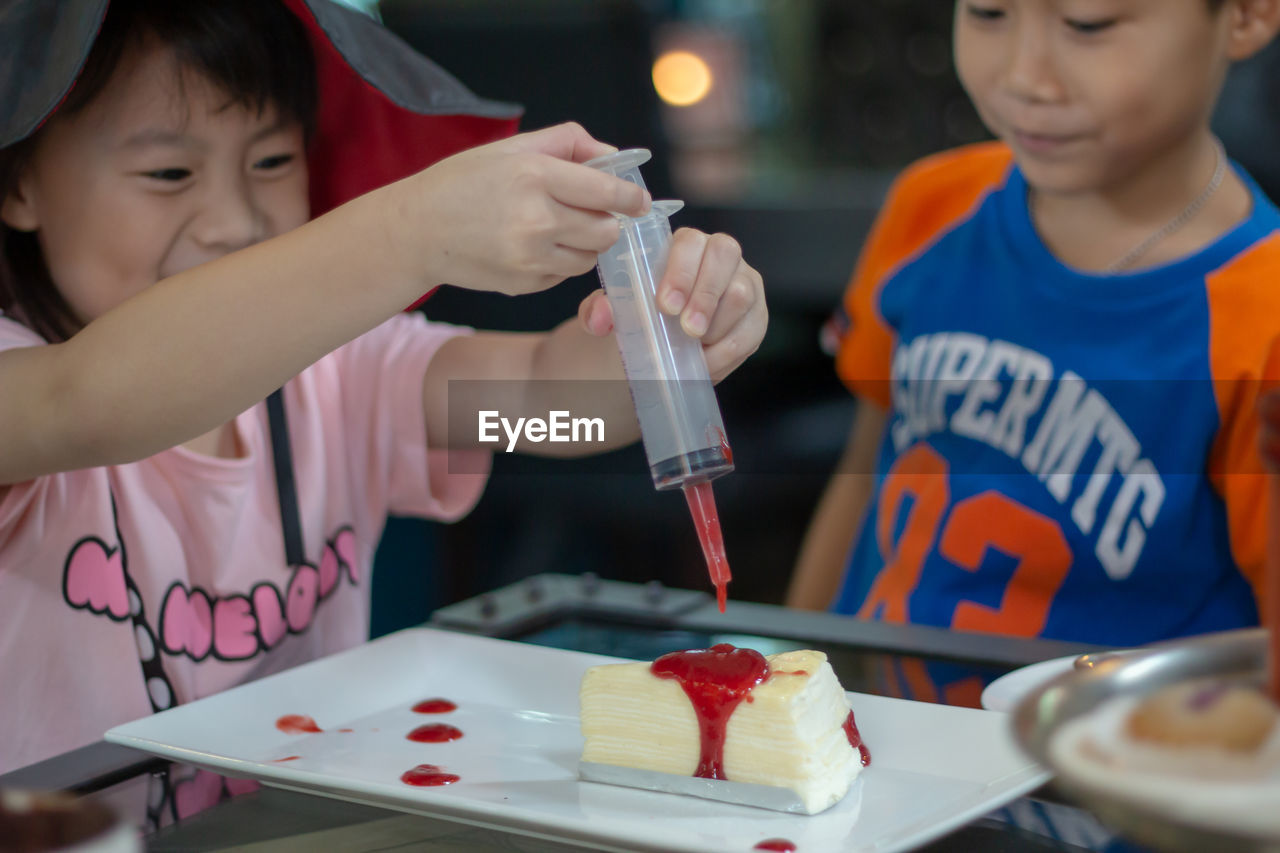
(134, 586)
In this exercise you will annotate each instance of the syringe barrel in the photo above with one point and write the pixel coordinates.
(675, 400)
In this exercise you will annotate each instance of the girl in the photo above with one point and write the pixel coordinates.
(160, 278)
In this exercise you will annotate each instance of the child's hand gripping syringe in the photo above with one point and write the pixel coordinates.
(675, 402)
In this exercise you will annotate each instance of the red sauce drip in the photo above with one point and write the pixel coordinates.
(855, 739)
(434, 733)
(791, 672)
(715, 680)
(726, 449)
(287, 758)
(702, 505)
(297, 724)
(346, 731)
(428, 775)
(779, 844)
(434, 706)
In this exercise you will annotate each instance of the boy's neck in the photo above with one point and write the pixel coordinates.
(1092, 230)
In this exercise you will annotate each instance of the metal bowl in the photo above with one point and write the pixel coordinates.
(1233, 655)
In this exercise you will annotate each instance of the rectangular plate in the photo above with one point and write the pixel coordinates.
(934, 767)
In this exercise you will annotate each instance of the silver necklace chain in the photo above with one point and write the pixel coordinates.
(1186, 215)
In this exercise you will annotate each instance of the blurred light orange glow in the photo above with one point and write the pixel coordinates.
(681, 78)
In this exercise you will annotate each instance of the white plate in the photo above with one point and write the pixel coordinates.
(1008, 690)
(934, 767)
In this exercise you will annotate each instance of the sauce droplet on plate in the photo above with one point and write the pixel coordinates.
(434, 706)
(428, 775)
(434, 733)
(297, 724)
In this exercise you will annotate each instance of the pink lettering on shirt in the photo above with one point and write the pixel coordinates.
(328, 571)
(270, 612)
(345, 546)
(94, 579)
(237, 626)
(186, 622)
(301, 597)
(235, 630)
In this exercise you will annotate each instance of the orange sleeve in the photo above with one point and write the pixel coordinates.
(1244, 318)
(926, 200)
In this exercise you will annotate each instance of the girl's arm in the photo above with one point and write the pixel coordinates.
(191, 352)
(526, 376)
(576, 368)
(824, 554)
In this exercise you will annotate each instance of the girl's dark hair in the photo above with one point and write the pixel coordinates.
(255, 51)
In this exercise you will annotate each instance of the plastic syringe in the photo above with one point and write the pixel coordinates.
(675, 400)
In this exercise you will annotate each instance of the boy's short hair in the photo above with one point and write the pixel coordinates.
(255, 51)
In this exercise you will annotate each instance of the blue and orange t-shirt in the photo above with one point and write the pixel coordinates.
(1067, 455)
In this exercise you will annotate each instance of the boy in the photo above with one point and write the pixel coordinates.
(1057, 337)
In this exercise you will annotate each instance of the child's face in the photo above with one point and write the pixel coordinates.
(1088, 91)
(156, 175)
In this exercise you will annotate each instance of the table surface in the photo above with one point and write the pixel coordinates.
(585, 613)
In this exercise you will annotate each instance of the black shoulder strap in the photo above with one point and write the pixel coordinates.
(286, 487)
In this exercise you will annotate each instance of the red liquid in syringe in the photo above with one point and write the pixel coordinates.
(702, 505)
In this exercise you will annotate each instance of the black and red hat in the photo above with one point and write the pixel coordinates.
(385, 111)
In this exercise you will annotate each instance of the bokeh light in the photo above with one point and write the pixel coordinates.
(681, 78)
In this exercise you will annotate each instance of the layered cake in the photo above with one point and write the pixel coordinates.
(728, 714)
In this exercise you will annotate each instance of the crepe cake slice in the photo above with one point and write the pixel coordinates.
(726, 714)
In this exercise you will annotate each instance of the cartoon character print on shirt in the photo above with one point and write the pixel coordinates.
(239, 626)
(236, 627)
(95, 577)
(194, 623)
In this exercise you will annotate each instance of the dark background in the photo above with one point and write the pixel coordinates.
(858, 89)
